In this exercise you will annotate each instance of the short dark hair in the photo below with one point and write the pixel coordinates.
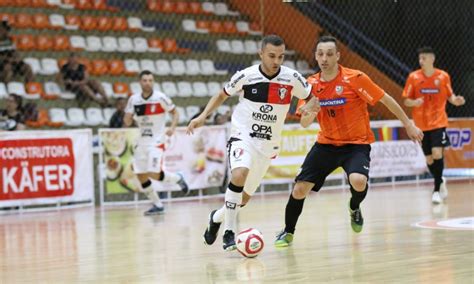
(425, 49)
(327, 38)
(273, 40)
(144, 72)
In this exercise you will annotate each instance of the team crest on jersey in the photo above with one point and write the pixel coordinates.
(238, 153)
(436, 82)
(282, 93)
(339, 90)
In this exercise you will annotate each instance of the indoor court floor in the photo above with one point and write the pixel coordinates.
(402, 241)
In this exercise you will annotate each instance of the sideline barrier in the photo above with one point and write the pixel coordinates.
(46, 168)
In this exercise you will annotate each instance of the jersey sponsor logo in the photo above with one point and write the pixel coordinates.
(266, 108)
(146, 132)
(429, 91)
(255, 79)
(332, 102)
(303, 82)
(234, 83)
(264, 117)
(459, 137)
(280, 79)
(230, 205)
(261, 132)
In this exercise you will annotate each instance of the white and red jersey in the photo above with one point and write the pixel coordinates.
(263, 104)
(150, 116)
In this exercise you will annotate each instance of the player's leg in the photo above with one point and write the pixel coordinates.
(439, 141)
(356, 164)
(157, 173)
(147, 163)
(318, 164)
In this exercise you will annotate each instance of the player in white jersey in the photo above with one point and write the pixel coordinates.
(265, 93)
(149, 111)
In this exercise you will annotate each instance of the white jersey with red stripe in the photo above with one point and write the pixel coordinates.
(263, 105)
(150, 116)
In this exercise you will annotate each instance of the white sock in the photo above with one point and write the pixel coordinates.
(218, 217)
(232, 202)
(152, 195)
(171, 177)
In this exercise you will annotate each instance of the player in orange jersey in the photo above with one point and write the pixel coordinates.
(345, 136)
(426, 91)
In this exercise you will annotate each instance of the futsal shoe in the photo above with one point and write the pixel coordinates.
(443, 190)
(436, 198)
(283, 239)
(210, 235)
(155, 210)
(229, 241)
(357, 221)
(183, 185)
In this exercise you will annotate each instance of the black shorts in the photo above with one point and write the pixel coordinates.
(434, 138)
(323, 159)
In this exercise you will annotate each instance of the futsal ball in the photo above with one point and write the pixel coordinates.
(250, 242)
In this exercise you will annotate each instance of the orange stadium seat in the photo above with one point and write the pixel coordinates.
(61, 42)
(39, 4)
(34, 90)
(99, 5)
(99, 67)
(88, 23)
(216, 27)
(153, 5)
(73, 20)
(170, 45)
(44, 43)
(22, 3)
(121, 89)
(83, 4)
(168, 7)
(104, 24)
(155, 45)
(22, 21)
(229, 27)
(195, 8)
(24, 42)
(6, 3)
(255, 27)
(41, 21)
(116, 67)
(86, 62)
(119, 24)
(182, 8)
(202, 25)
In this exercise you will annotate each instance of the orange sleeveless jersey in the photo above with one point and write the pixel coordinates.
(435, 91)
(344, 118)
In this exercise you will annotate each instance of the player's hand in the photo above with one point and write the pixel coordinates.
(414, 132)
(311, 107)
(195, 123)
(169, 132)
(418, 102)
(459, 101)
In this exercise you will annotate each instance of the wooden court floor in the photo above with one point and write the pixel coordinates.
(120, 245)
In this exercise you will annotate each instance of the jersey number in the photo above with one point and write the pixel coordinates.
(331, 113)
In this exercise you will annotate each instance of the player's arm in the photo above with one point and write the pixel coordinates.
(408, 94)
(413, 132)
(212, 105)
(128, 119)
(307, 118)
(174, 122)
(456, 100)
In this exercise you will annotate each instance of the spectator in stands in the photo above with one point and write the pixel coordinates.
(11, 118)
(11, 64)
(74, 77)
(116, 121)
